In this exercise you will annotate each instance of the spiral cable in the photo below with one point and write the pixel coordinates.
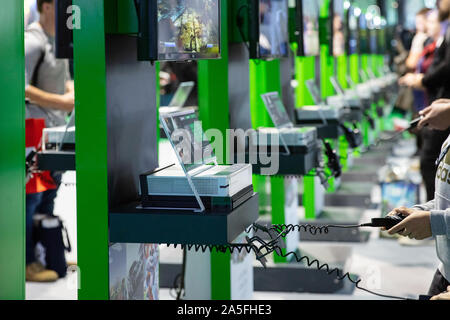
(326, 267)
(276, 233)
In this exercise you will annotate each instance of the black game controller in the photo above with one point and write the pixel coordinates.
(387, 222)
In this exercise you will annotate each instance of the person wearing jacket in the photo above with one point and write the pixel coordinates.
(436, 82)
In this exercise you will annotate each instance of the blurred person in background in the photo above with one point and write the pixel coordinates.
(172, 74)
(436, 82)
(31, 12)
(49, 92)
(419, 40)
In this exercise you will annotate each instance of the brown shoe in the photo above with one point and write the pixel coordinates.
(37, 273)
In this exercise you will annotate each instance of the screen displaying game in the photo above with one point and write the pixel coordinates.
(311, 40)
(373, 39)
(353, 33)
(364, 42)
(274, 34)
(382, 41)
(188, 29)
(338, 28)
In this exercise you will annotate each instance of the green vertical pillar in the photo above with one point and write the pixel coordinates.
(354, 64)
(214, 113)
(12, 159)
(91, 154)
(305, 70)
(265, 77)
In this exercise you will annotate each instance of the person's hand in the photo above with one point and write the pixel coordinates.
(417, 224)
(413, 80)
(66, 101)
(436, 116)
(443, 295)
(406, 211)
(406, 79)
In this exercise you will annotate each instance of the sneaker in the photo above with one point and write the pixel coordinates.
(36, 272)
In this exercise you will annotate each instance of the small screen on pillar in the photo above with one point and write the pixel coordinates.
(364, 35)
(188, 29)
(353, 33)
(338, 24)
(311, 40)
(274, 33)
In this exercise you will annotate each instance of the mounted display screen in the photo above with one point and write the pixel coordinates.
(353, 31)
(364, 41)
(310, 40)
(338, 27)
(273, 29)
(188, 29)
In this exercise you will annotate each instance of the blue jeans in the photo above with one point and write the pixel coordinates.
(44, 203)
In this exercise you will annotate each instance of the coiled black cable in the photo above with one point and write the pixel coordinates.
(281, 231)
(340, 277)
(284, 229)
(314, 230)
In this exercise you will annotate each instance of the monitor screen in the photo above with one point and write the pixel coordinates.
(373, 39)
(311, 40)
(188, 29)
(276, 110)
(352, 31)
(182, 94)
(188, 139)
(382, 40)
(338, 22)
(274, 34)
(364, 41)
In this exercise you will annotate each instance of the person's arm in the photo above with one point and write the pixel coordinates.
(439, 219)
(436, 116)
(64, 102)
(438, 74)
(413, 60)
(443, 295)
(440, 222)
(34, 52)
(417, 224)
(425, 207)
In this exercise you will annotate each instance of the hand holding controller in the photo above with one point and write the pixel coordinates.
(387, 222)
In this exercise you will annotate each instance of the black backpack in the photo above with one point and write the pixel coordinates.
(50, 232)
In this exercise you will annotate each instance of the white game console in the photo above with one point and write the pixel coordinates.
(211, 181)
(320, 113)
(293, 137)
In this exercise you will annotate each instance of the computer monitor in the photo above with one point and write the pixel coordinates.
(310, 40)
(277, 110)
(188, 29)
(338, 27)
(191, 146)
(182, 94)
(364, 35)
(353, 30)
(70, 124)
(314, 90)
(273, 29)
(382, 40)
(178, 30)
(373, 41)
